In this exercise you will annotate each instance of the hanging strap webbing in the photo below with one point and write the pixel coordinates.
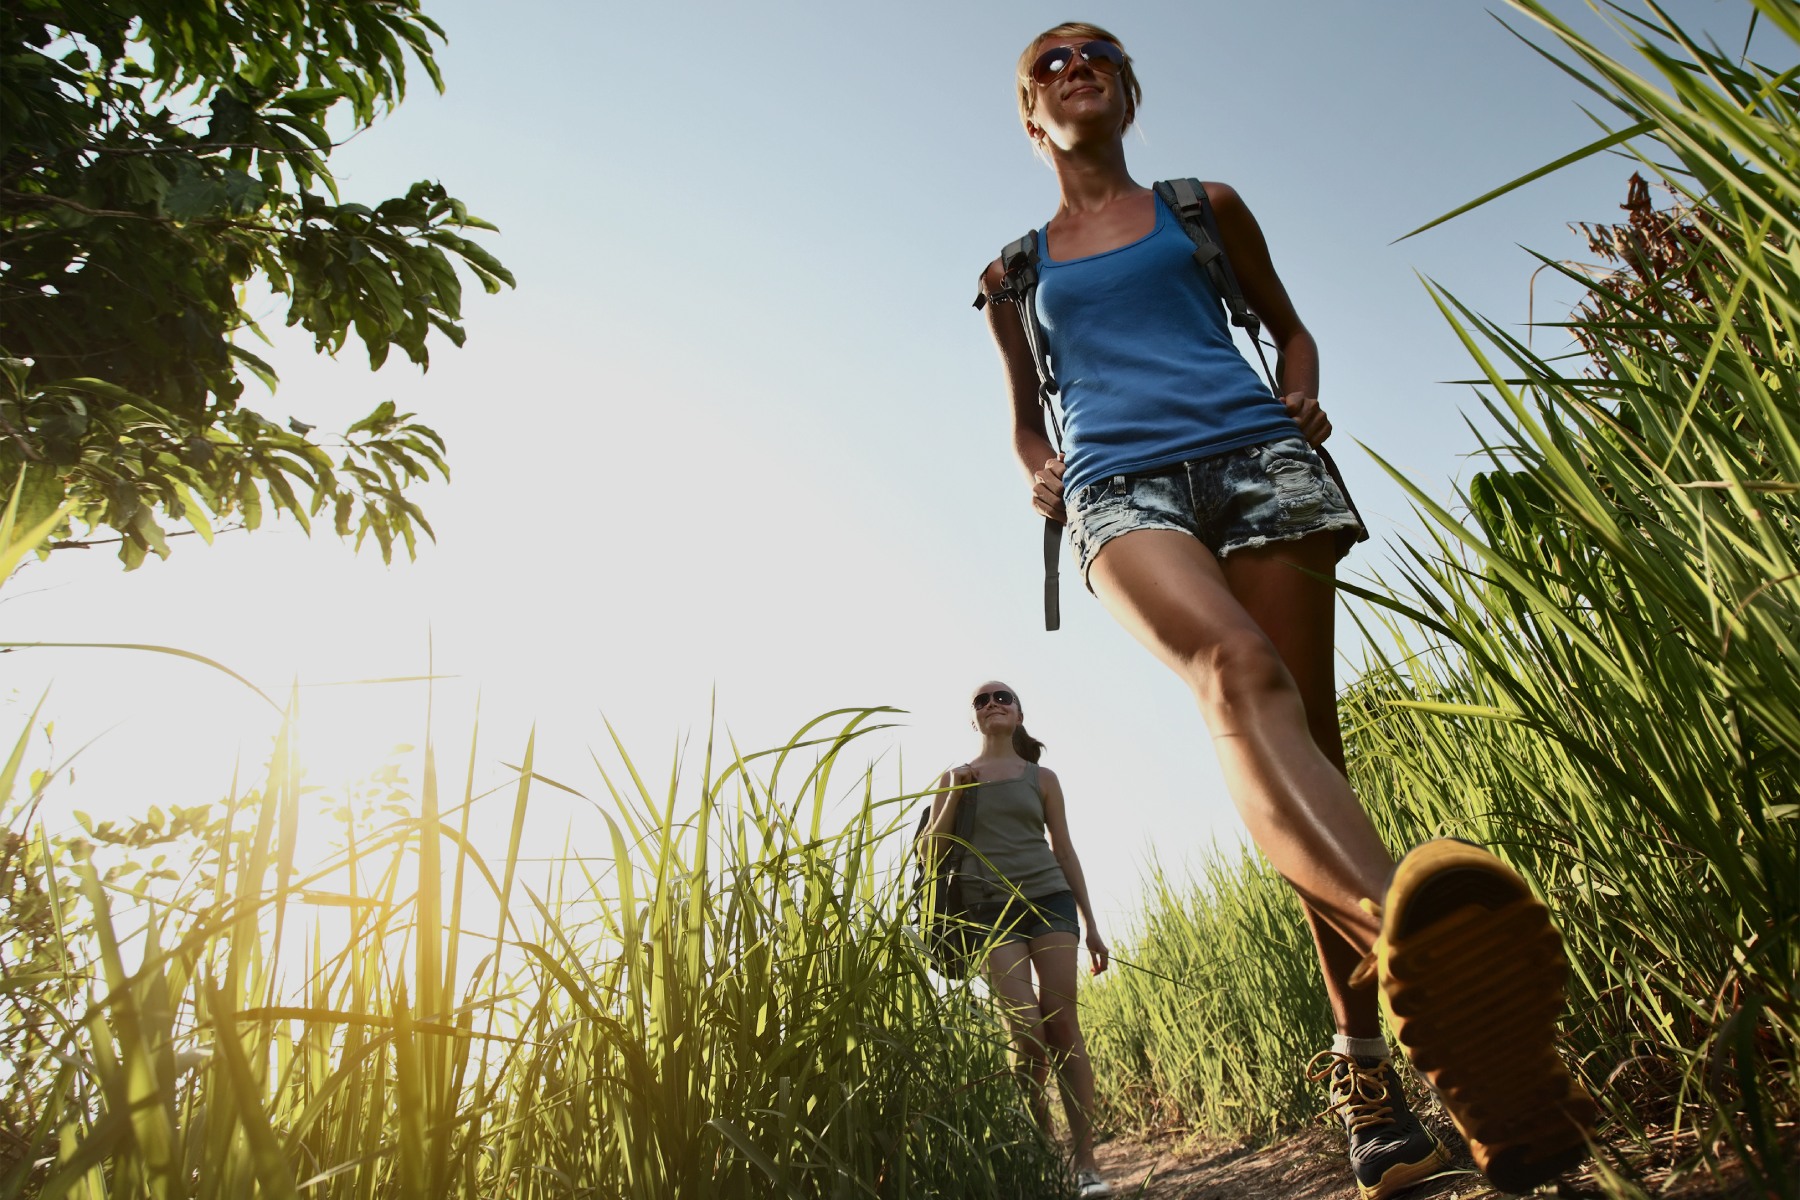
(1188, 201)
(1187, 198)
(1019, 262)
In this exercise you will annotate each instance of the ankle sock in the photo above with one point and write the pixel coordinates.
(1359, 1047)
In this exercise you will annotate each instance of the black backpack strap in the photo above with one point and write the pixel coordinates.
(918, 855)
(1019, 262)
(1187, 198)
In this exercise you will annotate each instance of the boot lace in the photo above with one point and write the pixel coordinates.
(1360, 1096)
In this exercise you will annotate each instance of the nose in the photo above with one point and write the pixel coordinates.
(1077, 62)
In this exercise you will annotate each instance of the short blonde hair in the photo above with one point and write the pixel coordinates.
(1134, 91)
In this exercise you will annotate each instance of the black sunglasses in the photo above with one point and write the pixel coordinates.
(1102, 56)
(1001, 696)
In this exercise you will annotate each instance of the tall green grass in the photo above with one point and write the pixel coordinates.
(729, 1003)
(1589, 663)
(1214, 1009)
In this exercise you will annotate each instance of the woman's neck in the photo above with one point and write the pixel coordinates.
(1092, 176)
(997, 747)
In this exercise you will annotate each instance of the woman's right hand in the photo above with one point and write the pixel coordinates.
(1047, 490)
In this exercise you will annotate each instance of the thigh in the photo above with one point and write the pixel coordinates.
(1009, 975)
(1297, 610)
(1168, 591)
(1055, 958)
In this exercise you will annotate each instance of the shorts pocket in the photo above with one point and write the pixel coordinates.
(1298, 477)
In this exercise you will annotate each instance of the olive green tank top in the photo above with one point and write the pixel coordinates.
(1009, 832)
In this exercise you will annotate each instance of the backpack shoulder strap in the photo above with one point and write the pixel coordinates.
(1187, 198)
(917, 854)
(964, 827)
(1019, 262)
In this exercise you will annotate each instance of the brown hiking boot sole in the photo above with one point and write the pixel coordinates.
(1472, 974)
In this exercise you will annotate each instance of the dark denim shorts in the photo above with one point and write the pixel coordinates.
(1275, 491)
(1020, 920)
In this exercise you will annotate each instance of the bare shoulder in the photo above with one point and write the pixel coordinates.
(1224, 197)
(1047, 779)
(991, 277)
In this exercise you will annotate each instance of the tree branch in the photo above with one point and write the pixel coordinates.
(114, 541)
(84, 210)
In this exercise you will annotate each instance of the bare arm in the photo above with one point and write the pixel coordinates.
(1056, 824)
(1031, 442)
(1297, 354)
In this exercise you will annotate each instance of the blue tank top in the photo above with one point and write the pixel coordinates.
(1141, 350)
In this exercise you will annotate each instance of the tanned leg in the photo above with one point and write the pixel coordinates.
(1009, 975)
(1298, 613)
(1054, 956)
(1169, 592)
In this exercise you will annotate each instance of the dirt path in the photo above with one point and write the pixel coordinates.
(1309, 1166)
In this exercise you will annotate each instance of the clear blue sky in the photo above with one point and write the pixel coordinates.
(738, 425)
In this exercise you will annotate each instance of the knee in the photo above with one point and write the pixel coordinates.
(1031, 1058)
(1029, 1038)
(1237, 674)
(1062, 1028)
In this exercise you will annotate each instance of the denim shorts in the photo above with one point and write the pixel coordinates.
(1275, 491)
(1020, 920)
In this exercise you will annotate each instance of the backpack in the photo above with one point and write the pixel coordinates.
(943, 895)
(1019, 261)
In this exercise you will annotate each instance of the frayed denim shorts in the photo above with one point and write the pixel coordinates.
(1017, 919)
(1276, 491)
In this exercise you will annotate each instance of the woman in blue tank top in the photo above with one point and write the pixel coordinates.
(1203, 519)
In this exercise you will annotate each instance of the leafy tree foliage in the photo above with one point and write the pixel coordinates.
(155, 158)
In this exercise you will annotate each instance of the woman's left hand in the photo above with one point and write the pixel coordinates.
(1098, 952)
(1315, 427)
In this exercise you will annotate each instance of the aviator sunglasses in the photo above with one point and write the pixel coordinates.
(1102, 56)
(1002, 696)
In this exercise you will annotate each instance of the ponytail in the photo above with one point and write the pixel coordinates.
(1026, 746)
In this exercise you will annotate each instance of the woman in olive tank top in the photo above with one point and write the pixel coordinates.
(1034, 892)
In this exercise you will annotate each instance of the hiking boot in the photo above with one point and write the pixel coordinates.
(1472, 974)
(1389, 1150)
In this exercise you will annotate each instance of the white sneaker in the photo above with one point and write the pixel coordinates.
(1089, 1184)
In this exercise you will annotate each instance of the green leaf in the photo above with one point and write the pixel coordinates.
(194, 195)
(1574, 156)
(16, 543)
(146, 346)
